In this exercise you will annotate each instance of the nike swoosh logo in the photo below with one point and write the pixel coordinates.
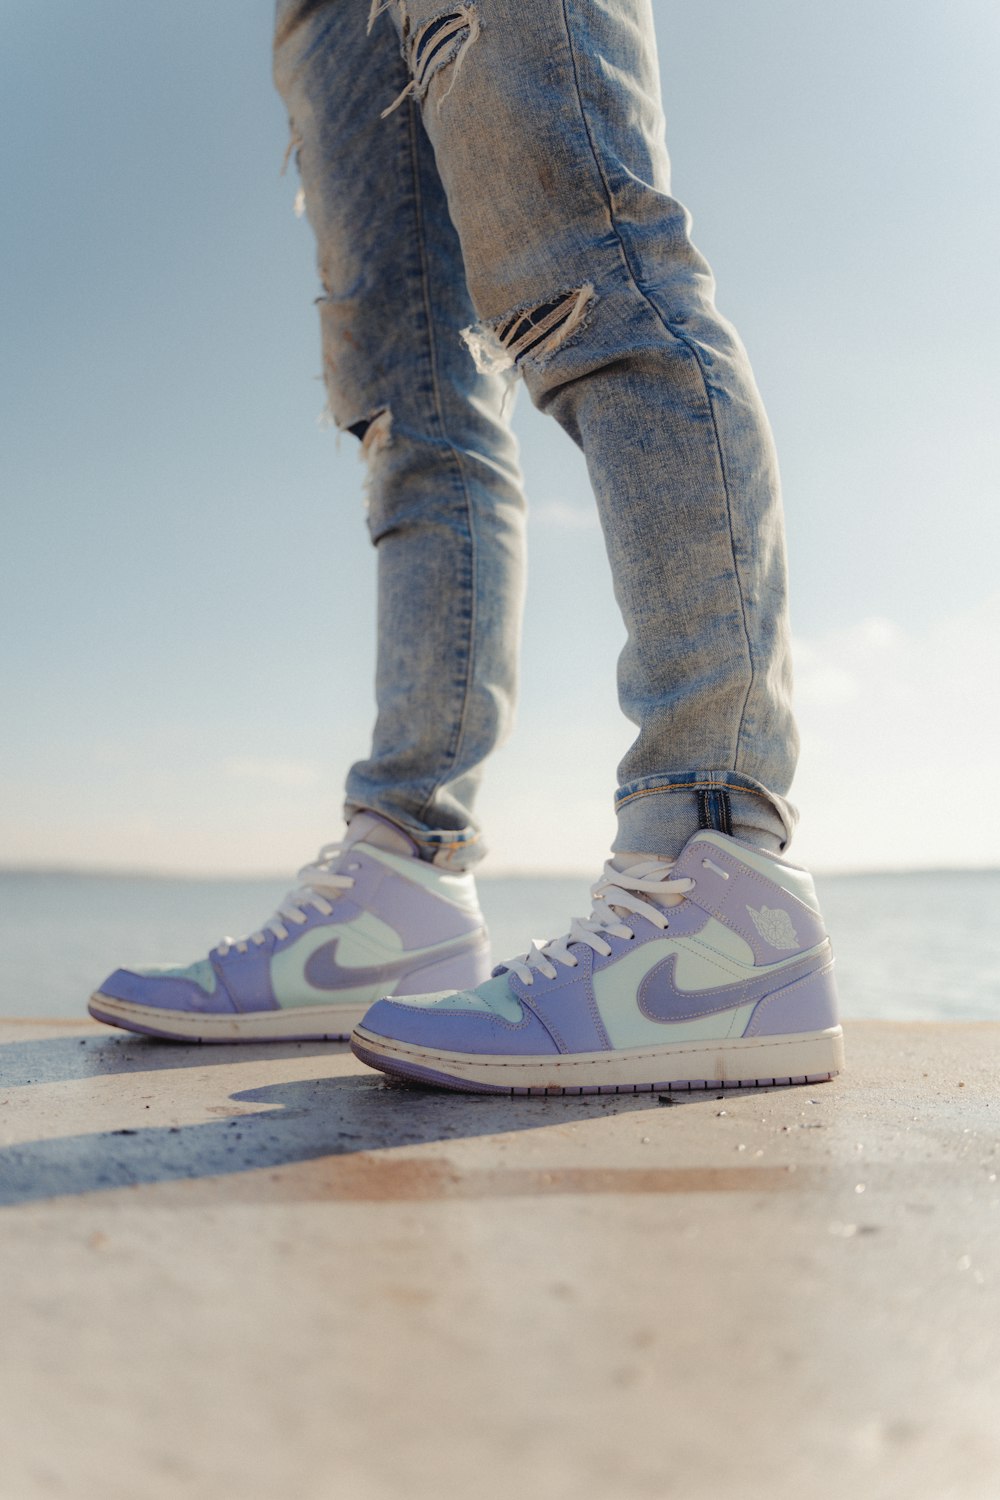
(323, 972)
(661, 1000)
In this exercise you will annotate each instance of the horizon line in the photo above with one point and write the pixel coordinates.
(130, 872)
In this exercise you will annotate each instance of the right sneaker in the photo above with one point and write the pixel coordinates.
(713, 970)
(369, 918)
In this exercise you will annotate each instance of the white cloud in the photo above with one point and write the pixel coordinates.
(900, 767)
(901, 743)
(900, 762)
(290, 773)
(565, 515)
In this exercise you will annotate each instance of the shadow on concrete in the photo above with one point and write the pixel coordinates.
(336, 1132)
(65, 1059)
(336, 1124)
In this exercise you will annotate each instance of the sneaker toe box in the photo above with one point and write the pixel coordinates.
(166, 990)
(443, 1023)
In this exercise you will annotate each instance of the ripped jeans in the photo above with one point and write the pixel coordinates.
(489, 188)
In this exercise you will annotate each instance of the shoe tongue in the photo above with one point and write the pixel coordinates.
(370, 828)
(629, 859)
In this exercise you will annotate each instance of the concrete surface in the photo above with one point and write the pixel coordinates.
(242, 1272)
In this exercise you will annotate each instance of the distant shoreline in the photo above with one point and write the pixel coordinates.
(71, 872)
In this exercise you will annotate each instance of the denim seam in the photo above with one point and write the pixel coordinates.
(413, 119)
(690, 345)
(693, 786)
(687, 343)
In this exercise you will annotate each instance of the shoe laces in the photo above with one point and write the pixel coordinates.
(320, 883)
(615, 894)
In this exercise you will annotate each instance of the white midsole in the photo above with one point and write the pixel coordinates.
(742, 1059)
(302, 1022)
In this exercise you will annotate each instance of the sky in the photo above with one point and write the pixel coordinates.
(186, 585)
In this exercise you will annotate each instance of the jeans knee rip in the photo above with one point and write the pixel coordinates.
(375, 435)
(374, 431)
(442, 41)
(535, 332)
(294, 148)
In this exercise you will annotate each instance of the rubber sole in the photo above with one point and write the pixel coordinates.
(314, 1023)
(747, 1062)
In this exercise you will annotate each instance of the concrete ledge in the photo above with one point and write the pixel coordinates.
(261, 1271)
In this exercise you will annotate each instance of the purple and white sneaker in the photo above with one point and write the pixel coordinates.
(369, 918)
(711, 971)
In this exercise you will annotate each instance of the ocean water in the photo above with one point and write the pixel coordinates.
(916, 946)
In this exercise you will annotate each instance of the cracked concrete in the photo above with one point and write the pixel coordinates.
(261, 1271)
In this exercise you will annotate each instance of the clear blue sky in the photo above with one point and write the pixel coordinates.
(185, 579)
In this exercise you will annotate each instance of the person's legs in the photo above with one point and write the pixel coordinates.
(445, 507)
(548, 135)
(391, 909)
(705, 961)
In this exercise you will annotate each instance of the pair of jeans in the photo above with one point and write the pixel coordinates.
(489, 187)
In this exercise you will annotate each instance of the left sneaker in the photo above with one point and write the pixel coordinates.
(711, 971)
(368, 918)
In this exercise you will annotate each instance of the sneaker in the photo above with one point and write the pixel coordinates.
(711, 971)
(368, 918)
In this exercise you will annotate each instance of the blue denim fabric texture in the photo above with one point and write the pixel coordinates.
(490, 192)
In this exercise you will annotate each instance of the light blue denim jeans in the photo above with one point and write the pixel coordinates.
(490, 192)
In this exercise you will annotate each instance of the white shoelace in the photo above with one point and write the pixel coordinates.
(616, 892)
(317, 882)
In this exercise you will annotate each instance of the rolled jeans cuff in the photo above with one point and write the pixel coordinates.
(658, 814)
(449, 849)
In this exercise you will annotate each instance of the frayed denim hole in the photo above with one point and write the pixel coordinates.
(542, 330)
(428, 34)
(439, 43)
(456, 40)
(529, 332)
(520, 324)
